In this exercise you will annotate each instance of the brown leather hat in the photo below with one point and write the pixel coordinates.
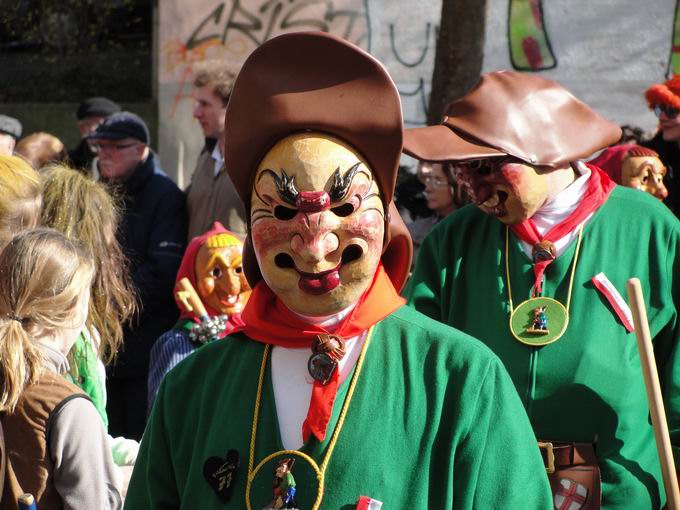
(313, 81)
(510, 113)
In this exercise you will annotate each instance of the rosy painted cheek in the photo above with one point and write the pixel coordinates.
(269, 234)
(367, 226)
(514, 176)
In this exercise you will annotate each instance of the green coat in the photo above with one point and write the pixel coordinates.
(434, 422)
(588, 385)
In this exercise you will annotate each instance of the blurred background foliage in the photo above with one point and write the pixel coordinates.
(65, 50)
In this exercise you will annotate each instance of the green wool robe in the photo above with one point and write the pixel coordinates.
(587, 386)
(434, 422)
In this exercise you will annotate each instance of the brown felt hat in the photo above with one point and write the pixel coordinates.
(313, 81)
(522, 115)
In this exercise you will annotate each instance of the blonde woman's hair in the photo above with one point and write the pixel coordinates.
(82, 209)
(42, 276)
(20, 197)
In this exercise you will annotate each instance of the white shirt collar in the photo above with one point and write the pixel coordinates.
(218, 158)
(557, 209)
(561, 206)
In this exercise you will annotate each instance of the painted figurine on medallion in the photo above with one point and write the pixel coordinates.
(284, 486)
(539, 324)
(518, 142)
(330, 370)
(210, 291)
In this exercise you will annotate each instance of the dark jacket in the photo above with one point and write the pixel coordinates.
(152, 234)
(81, 156)
(669, 152)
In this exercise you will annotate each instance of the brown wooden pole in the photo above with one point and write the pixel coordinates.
(651, 376)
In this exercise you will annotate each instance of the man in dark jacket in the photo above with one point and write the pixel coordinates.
(153, 235)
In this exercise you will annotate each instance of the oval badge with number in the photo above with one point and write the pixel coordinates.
(539, 321)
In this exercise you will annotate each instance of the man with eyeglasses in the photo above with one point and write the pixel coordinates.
(152, 233)
(535, 269)
(664, 100)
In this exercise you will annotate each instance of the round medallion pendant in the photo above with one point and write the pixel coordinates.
(286, 479)
(539, 321)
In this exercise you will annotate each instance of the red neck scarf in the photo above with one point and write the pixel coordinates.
(599, 188)
(268, 320)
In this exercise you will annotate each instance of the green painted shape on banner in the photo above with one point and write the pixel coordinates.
(674, 64)
(522, 319)
(527, 38)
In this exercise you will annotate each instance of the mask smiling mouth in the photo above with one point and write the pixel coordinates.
(229, 300)
(321, 282)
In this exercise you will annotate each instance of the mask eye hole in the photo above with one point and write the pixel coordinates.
(343, 210)
(216, 272)
(284, 213)
(238, 270)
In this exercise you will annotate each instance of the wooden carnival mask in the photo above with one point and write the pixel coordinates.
(221, 283)
(645, 173)
(317, 223)
(506, 188)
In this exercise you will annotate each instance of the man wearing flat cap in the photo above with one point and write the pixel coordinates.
(10, 132)
(89, 115)
(366, 401)
(152, 233)
(536, 269)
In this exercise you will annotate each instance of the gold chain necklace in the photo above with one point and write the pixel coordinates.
(318, 470)
(539, 320)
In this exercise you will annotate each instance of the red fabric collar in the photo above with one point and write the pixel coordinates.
(599, 188)
(268, 320)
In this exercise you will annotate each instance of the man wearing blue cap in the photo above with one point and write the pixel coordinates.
(152, 233)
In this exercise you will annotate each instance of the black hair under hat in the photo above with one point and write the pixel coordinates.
(96, 106)
(122, 125)
(10, 126)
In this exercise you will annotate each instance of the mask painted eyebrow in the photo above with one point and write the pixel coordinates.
(218, 257)
(285, 186)
(341, 183)
(649, 167)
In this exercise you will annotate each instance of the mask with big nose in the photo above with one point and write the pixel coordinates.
(506, 188)
(645, 173)
(317, 223)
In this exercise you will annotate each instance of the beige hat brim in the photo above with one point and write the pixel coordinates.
(439, 143)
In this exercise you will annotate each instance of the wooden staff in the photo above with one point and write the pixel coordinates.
(187, 295)
(663, 441)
